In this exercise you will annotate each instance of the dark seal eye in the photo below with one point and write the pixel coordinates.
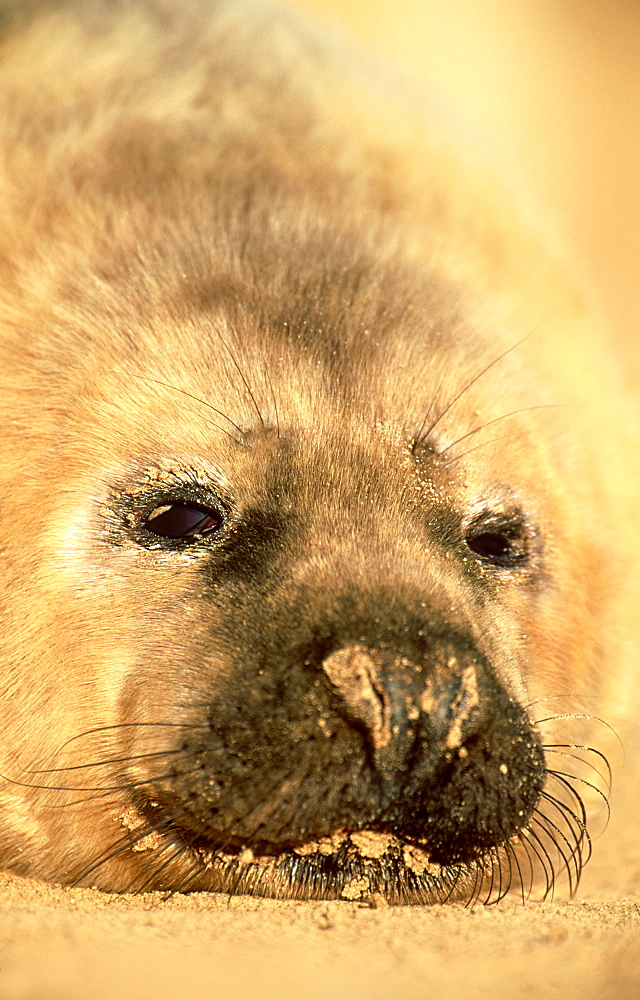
(499, 541)
(183, 520)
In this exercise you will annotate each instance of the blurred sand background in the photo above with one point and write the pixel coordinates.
(553, 88)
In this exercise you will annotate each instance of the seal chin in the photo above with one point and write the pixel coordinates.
(354, 865)
(364, 866)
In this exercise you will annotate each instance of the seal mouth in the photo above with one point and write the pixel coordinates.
(363, 866)
(366, 866)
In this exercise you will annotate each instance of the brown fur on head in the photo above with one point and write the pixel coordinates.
(309, 503)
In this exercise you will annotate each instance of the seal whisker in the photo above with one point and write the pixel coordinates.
(544, 858)
(605, 778)
(567, 778)
(274, 401)
(421, 436)
(480, 874)
(524, 843)
(470, 901)
(572, 861)
(495, 420)
(125, 725)
(155, 874)
(242, 376)
(424, 434)
(504, 878)
(505, 872)
(126, 842)
(121, 787)
(106, 761)
(577, 716)
(513, 856)
(485, 444)
(575, 797)
(106, 791)
(568, 855)
(565, 747)
(574, 824)
(454, 884)
(196, 399)
(492, 858)
(573, 832)
(579, 832)
(496, 869)
(507, 851)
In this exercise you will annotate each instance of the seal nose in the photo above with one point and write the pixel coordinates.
(394, 701)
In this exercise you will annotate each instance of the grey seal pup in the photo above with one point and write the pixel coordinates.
(315, 507)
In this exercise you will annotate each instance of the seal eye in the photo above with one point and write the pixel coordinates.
(499, 541)
(183, 520)
(491, 546)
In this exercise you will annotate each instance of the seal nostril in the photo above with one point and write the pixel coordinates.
(353, 673)
(464, 708)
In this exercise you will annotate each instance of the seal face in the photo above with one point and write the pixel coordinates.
(343, 691)
(354, 706)
(299, 560)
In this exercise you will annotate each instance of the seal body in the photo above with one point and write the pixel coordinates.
(312, 514)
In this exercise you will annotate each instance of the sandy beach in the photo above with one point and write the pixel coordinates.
(79, 944)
